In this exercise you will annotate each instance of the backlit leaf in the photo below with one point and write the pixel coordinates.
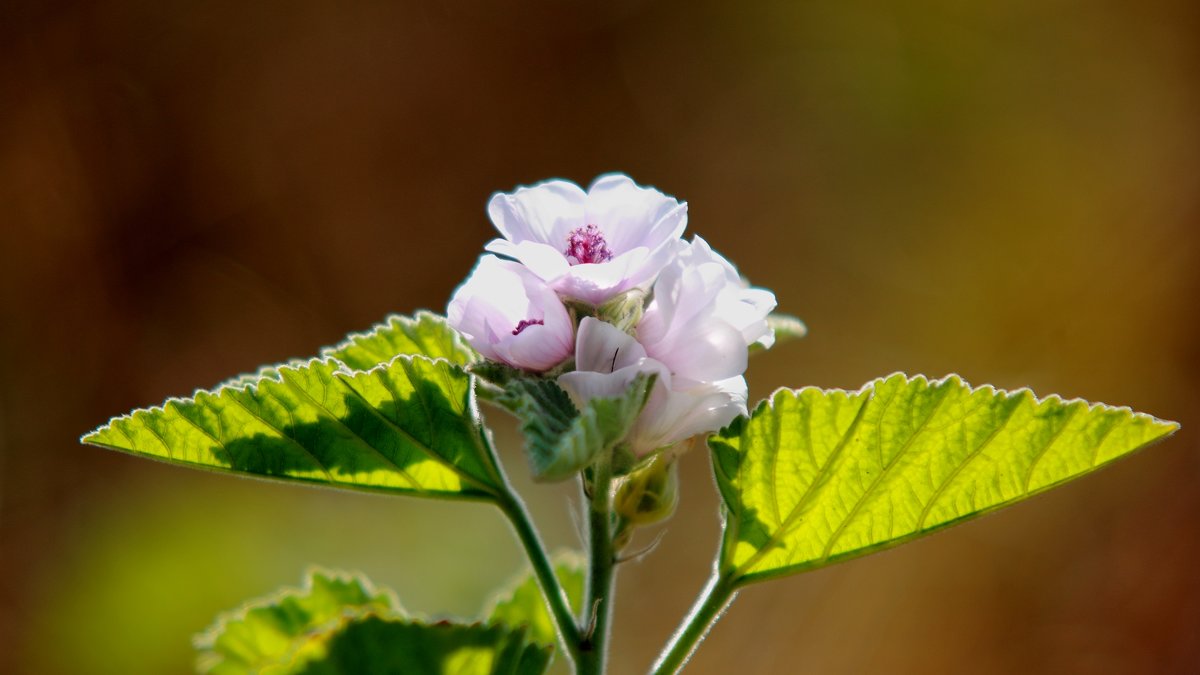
(814, 476)
(289, 626)
(522, 605)
(410, 426)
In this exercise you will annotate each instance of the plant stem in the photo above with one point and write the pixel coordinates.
(552, 590)
(708, 608)
(597, 607)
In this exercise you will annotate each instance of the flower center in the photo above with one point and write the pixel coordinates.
(526, 323)
(586, 245)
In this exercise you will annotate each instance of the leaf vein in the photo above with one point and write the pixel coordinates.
(895, 460)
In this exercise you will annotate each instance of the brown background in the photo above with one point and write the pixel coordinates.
(1004, 190)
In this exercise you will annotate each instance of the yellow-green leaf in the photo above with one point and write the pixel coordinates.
(425, 334)
(813, 477)
(290, 626)
(410, 426)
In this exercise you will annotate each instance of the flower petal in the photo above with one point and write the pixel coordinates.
(630, 215)
(510, 315)
(545, 213)
(602, 347)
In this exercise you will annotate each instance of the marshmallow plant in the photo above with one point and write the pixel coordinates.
(619, 346)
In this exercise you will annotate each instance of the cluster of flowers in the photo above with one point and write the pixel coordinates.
(562, 247)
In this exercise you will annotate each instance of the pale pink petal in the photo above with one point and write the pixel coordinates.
(672, 415)
(630, 215)
(536, 347)
(595, 283)
(545, 262)
(583, 386)
(510, 315)
(711, 350)
(602, 347)
(544, 213)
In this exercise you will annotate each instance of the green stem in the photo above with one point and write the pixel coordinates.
(552, 590)
(597, 608)
(708, 608)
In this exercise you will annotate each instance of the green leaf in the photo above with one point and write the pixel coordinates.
(815, 477)
(290, 626)
(408, 427)
(561, 440)
(374, 646)
(424, 334)
(521, 604)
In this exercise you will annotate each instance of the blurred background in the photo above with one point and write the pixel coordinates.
(1009, 191)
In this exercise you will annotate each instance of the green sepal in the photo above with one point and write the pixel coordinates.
(785, 327)
(560, 439)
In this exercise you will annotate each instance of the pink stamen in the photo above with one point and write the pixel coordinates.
(526, 323)
(586, 245)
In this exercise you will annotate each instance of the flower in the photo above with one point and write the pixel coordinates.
(510, 315)
(592, 245)
(607, 360)
(704, 317)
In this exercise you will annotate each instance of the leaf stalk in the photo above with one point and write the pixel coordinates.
(712, 603)
(552, 591)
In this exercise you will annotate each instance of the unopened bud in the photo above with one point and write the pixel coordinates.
(625, 310)
(650, 493)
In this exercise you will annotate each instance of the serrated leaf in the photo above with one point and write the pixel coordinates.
(560, 440)
(815, 477)
(521, 604)
(290, 626)
(425, 334)
(408, 427)
(372, 645)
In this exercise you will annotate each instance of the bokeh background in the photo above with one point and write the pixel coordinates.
(1009, 191)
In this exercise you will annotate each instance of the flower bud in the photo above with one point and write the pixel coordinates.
(650, 493)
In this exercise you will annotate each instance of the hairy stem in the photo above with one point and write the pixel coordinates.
(552, 591)
(708, 608)
(597, 608)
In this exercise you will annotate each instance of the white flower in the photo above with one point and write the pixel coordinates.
(704, 317)
(589, 245)
(607, 361)
(510, 315)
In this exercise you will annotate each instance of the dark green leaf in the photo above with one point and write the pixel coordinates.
(375, 646)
